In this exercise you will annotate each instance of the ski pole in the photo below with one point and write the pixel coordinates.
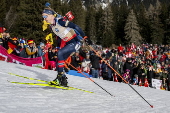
(89, 78)
(108, 64)
(120, 76)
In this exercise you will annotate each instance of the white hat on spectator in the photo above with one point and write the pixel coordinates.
(42, 44)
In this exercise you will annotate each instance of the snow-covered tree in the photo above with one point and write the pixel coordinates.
(132, 29)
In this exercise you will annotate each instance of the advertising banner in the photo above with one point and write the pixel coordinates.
(19, 60)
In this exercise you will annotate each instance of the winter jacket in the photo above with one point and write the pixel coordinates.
(31, 52)
(75, 61)
(40, 52)
(95, 61)
(52, 56)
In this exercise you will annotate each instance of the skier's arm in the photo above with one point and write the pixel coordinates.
(72, 25)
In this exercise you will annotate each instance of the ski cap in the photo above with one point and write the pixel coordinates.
(30, 41)
(127, 70)
(14, 38)
(48, 11)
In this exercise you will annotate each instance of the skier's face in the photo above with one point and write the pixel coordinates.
(48, 18)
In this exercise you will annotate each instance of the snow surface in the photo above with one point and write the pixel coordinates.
(16, 98)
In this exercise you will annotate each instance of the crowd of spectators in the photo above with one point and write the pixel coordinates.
(21, 47)
(133, 63)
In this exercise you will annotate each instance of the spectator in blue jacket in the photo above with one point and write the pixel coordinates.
(41, 50)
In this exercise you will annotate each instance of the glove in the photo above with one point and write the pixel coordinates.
(85, 37)
(87, 40)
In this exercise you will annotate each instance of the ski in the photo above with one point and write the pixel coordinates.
(46, 82)
(42, 84)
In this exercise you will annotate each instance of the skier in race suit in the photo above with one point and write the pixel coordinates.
(69, 36)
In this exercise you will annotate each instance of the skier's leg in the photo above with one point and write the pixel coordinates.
(63, 54)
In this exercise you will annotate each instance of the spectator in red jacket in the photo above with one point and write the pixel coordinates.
(163, 57)
(120, 50)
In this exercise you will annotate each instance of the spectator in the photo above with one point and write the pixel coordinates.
(148, 54)
(133, 47)
(41, 50)
(12, 44)
(141, 73)
(116, 68)
(158, 72)
(75, 60)
(109, 70)
(120, 68)
(135, 70)
(168, 54)
(86, 64)
(95, 64)
(163, 57)
(128, 65)
(150, 74)
(164, 78)
(154, 52)
(21, 50)
(5, 38)
(104, 69)
(31, 49)
(114, 57)
(52, 56)
(168, 57)
(120, 50)
(126, 75)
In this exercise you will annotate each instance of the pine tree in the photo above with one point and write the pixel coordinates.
(135, 10)
(107, 24)
(21, 22)
(167, 26)
(57, 5)
(76, 8)
(115, 10)
(122, 14)
(144, 24)
(132, 29)
(64, 8)
(2, 11)
(37, 8)
(90, 24)
(29, 20)
(157, 32)
(164, 16)
(99, 30)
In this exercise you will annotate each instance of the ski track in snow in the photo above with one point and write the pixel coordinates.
(17, 98)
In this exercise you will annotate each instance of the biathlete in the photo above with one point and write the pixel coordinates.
(70, 37)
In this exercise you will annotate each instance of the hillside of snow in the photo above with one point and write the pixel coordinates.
(16, 98)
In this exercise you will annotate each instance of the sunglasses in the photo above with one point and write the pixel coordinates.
(45, 16)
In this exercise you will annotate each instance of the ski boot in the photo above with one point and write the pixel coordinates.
(57, 80)
(64, 81)
(54, 82)
(61, 79)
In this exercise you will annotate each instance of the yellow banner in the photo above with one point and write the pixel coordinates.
(45, 25)
(49, 38)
